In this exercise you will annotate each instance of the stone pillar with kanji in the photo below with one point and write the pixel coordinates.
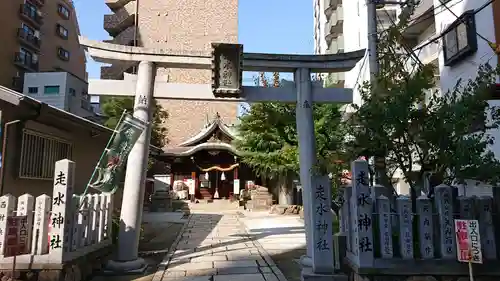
(60, 232)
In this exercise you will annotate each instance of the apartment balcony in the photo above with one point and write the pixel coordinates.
(124, 37)
(29, 40)
(116, 71)
(429, 53)
(120, 20)
(335, 26)
(336, 45)
(421, 20)
(26, 62)
(31, 16)
(38, 3)
(115, 5)
(330, 6)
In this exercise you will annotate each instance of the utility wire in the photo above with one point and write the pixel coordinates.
(361, 69)
(466, 23)
(430, 14)
(446, 32)
(408, 49)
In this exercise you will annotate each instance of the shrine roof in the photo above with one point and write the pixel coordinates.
(210, 128)
(190, 150)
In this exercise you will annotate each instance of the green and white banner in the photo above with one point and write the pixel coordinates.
(109, 170)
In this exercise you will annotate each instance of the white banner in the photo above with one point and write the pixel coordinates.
(236, 186)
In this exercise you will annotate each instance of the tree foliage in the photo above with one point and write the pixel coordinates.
(112, 108)
(419, 130)
(268, 136)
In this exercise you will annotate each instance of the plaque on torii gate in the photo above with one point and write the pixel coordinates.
(227, 86)
(227, 70)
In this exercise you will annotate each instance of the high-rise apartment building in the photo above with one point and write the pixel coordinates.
(39, 36)
(341, 26)
(183, 27)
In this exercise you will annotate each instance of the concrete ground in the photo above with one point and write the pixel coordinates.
(215, 246)
(281, 237)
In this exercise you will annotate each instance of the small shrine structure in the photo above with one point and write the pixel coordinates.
(210, 160)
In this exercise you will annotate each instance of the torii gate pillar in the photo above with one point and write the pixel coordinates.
(135, 179)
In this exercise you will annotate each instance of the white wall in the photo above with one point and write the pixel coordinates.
(65, 100)
(484, 26)
(40, 80)
(467, 69)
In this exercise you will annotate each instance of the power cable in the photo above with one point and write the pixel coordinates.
(361, 69)
(430, 14)
(466, 23)
(408, 49)
(446, 32)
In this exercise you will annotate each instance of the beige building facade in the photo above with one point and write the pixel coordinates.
(183, 27)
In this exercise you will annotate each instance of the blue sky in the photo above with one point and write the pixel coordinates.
(283, 26)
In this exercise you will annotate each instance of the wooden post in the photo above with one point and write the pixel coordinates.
(172, 178)
(195, 182)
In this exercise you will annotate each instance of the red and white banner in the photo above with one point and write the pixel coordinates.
(468, 241)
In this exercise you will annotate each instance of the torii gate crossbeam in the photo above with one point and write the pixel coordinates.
(319, 262)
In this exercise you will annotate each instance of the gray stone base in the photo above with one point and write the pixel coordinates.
(308, 275)
(137, 266)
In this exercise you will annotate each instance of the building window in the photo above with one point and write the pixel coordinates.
(32, 90)
(61, 31)
(63, 11)
(28, 30)
(460, 39)
(30, 10)
(26, 56)
(51, 90)
(72, 92)
(63, 53)
(39, 153)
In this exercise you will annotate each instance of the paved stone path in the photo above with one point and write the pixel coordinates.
(216, 247)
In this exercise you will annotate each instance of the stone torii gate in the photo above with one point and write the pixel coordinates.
(227, 63)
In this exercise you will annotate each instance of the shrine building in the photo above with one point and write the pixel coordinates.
(210, 160)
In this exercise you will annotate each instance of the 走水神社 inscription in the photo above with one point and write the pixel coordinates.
(227, 70)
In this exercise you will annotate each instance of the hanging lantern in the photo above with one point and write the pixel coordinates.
(206, 176)
(223, 176)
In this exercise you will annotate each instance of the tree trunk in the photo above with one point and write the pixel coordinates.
(285, 191)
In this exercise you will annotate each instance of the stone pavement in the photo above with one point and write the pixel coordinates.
(280, 237)
(215, 246)
(277, 234)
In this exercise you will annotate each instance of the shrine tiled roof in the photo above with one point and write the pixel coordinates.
(190, 150)
(209, 129)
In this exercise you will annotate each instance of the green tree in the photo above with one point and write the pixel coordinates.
(112, 108)
(269, 144)
(418, 130)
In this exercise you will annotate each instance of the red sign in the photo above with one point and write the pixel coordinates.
(16, 236)
(463, 246)
(468, 241)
